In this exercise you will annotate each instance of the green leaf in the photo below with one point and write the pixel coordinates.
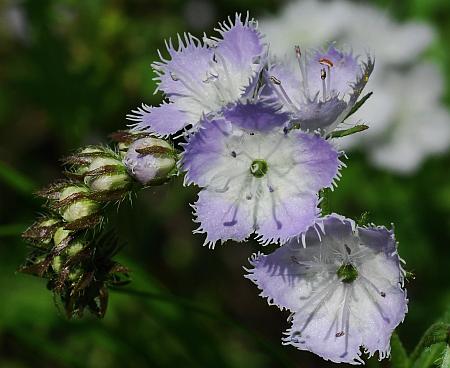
(437, 333)
(399, 357)
(16, 180)
(12, 230)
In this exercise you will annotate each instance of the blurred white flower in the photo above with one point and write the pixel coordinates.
(406, 118)
(199, 14)
(13, 20)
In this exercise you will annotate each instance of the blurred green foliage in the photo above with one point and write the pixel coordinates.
(69, 73)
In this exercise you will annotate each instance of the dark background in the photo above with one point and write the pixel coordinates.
(69, 73)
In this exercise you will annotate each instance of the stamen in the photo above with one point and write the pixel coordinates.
(227, 73)
(236, 204)
(329, 64)
(188, 84)
(277, 82)
(346, 318)
(321, 297)
(323, 76)
(303, 70)
(326, 62)
(210, 77)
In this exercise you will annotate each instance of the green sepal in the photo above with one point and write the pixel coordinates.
(325, 205)
(357, 105)
(399, 357)
(350, 131)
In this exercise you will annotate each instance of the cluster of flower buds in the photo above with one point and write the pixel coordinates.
(67, 247)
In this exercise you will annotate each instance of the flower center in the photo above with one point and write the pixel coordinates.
(347, 273)
(258, 168)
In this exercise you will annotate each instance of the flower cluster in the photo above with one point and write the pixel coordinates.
(68, 248)
(257, 137)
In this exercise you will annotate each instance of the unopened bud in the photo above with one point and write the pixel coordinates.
(41, 233)
(149, 160)
(81, 160)
(60, 235)
(105, 174)
(124, 138)
(123, 148)
(57, 263)
(75, 274)
(75, 248)
(78, 205)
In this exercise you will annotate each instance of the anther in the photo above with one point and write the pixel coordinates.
(233, 154)
(303, 70)
(174, 77)
(326, 62)
(329, 64)
(211, 77)
(275, 80)
(323, 76)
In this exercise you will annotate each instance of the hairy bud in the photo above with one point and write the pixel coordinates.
(75, 204)
(40, 233)
(150, 160)
(106, 174)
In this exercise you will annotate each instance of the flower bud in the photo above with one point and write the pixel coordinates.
(78, 205)
(56, 264)
(105, 174)
(72, 247)
(150, 159)
(124, 138)
(41, 232)
(86, 156)
(60, 235)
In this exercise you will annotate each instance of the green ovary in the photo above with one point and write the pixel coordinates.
(347, 273)
(258, 168)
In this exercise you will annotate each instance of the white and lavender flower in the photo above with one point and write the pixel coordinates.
(319, 88)
(203, 77)
(344, 285)
(257, 175)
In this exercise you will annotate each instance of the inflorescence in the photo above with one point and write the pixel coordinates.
(258, 137)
